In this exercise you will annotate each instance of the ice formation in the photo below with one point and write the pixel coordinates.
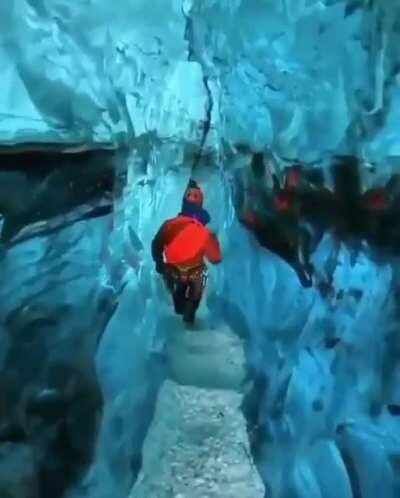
(153, 93)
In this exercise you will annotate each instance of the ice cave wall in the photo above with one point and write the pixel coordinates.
(262, 74)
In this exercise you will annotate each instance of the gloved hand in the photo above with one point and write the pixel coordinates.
(160, 267)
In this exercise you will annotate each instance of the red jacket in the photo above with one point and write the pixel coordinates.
(202, 244)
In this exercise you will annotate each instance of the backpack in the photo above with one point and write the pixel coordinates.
(188, 244)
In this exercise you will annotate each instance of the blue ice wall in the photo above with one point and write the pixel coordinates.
(53, 311)
(330, 372)
(306, 79)
(114, 72)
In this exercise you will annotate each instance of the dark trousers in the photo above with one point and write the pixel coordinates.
(186, 288)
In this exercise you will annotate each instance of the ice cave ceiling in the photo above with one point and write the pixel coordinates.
(268, 73)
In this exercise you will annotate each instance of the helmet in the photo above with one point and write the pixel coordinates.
(194, 194)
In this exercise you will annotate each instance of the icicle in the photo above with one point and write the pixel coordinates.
(340, 112)
(288, 10)
(293, 129)
(379, 78)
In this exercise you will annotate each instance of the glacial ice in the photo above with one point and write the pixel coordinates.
(190, 88)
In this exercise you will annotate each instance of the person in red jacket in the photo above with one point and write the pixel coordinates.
(179, 250)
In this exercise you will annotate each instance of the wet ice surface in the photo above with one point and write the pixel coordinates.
(206, 358)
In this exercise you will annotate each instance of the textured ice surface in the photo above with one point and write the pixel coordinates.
(308, 78)
(106, 73)
(53, 312)
(206, 358)
(96, 72)
(197, 445)
(17, 472)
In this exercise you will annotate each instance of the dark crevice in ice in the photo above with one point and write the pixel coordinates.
(190, 38)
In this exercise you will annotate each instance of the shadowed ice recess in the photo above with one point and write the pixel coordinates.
(106, 110)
